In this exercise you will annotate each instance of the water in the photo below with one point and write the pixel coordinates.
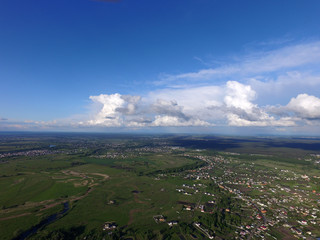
(44, 223)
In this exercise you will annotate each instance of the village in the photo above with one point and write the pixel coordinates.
(279, 199)
(293, 209)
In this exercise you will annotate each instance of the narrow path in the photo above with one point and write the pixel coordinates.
(259, 224)
(131, 213)
(15, 216)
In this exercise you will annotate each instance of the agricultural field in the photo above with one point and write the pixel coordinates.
(104, 186)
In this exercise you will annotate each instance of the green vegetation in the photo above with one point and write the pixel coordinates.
(199, 187)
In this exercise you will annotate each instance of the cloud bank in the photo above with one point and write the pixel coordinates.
(274, 88)
(277, 88)
(230, 104)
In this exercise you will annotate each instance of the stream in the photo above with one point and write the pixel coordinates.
(44, 223)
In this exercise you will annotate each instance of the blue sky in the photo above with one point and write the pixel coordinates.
(166, 66)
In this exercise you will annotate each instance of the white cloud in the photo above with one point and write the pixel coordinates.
(261, 96)
(191, 97)
(266, 121)
(240, 111)
(229, 104)
(171, 121)
(305, 106)
(239, 96)
(170, 108)
(130, 105)
(266, 81)
(232, 104)
(283, 87)
(267, 62)
(112, 109)
(117, 110)
(108, 115)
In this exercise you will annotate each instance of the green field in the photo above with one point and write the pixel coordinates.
(127, 180)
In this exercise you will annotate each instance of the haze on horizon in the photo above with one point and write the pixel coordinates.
(226, 67)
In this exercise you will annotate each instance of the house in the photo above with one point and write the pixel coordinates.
(109, 226)
(187, 207)
(159, 218)
(172, 223)
(263, 228)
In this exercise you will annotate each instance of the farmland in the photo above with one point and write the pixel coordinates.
(158, 187)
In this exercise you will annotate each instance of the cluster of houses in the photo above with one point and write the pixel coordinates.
(270, 207)
(112, 155)
(203, 230)
(274, 197)
(159, 219)
(108, 226)
(30, 153)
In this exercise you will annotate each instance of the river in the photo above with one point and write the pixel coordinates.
(44, 223)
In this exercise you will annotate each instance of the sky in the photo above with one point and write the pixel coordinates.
(184, 66)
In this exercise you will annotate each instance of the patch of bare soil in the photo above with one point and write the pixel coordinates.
(51, 205)
(105, 176)
(84, 195)
(137, 200)
(286, 233)
(14, 216)
(18, 181)
(131, 213)
(81, 184)
(59, 177)
(25, 206)
(73, 173)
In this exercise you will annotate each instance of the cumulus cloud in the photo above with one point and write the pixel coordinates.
(281, 88)
(191, 97)
(262, 96)
(229, 104)
(239, 96)
(275, 75)
(172, 121)
(169, 108)
(117, 110)
(130, 104)
(108, 114)
(112, 109)
(303, 109)
(267, 80)
(240, 110)
(305, 106)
